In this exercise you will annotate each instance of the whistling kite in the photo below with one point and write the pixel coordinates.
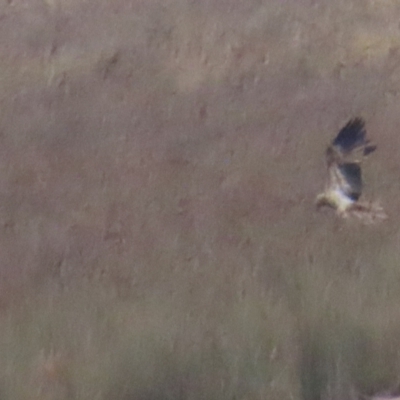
(345, 182)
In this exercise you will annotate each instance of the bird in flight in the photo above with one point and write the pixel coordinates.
(344, 156)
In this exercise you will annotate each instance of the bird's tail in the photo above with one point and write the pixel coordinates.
(368, 212)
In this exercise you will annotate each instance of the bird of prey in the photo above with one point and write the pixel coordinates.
(344, 156)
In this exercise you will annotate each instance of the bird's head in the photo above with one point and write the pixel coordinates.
(324, 200)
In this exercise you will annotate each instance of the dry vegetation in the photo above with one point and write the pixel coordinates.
(158, 167)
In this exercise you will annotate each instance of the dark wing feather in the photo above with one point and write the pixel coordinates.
(369, 149)
(351, 179)
(351, 136)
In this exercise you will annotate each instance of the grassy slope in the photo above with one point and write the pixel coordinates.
(158, 169)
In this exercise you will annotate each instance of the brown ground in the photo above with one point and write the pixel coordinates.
(158, 166)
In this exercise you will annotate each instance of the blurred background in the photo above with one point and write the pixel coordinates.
(159, 162)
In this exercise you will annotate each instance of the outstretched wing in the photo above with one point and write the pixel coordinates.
(351, 138)
(346, 178)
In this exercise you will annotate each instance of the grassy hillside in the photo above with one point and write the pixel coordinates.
(158, 169)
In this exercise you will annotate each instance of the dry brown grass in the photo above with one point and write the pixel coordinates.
(158, 169)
